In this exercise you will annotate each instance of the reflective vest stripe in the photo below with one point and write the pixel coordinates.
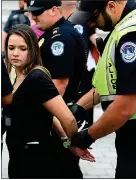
(107, 98)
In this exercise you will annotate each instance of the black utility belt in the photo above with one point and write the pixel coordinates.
(33, 144)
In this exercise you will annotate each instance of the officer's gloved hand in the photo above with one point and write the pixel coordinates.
(82, 140)
(79, 113)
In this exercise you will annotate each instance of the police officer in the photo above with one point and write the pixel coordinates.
(15, 17)
(63, 54)
(114, 80)
(89, 38)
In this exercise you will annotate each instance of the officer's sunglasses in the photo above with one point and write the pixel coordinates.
(94, 16)
(37, 12)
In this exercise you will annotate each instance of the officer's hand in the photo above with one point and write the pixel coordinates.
(82, 140)
(79, 113)
(83, 154)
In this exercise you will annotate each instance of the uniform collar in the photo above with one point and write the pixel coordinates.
(130, 6)
(59, 22)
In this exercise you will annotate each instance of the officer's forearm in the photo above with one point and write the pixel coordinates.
(89, 99)
(116, 115)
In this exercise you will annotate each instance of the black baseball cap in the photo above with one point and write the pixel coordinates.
(37, 5)
(85, 10)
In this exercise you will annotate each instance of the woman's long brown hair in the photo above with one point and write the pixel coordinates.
(34, 57)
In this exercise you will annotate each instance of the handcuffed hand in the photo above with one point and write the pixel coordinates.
(83, 154)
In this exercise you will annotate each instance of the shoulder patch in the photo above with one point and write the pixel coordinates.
(128, 52)
(57, 48)
(15, 16)
(41, 42)
(79, 28)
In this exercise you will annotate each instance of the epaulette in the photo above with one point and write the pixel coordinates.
(41, 41)
(55, 32)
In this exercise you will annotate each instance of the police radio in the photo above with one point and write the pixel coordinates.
(100, 45)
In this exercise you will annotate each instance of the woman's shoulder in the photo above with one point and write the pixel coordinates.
(39, 71)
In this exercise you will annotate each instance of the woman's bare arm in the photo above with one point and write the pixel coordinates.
(60, 110)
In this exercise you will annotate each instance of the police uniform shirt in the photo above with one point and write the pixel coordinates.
(13, 19)
(126, 65)
(125, 60)
(63, 55)
(86, 31)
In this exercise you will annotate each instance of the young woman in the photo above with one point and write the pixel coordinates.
(35, 102)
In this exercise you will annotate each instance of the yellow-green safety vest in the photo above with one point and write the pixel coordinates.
(105, 76)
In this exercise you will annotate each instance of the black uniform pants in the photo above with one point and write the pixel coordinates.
(126, 151)
(31, 162)
(67, 162)
(85, 87)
